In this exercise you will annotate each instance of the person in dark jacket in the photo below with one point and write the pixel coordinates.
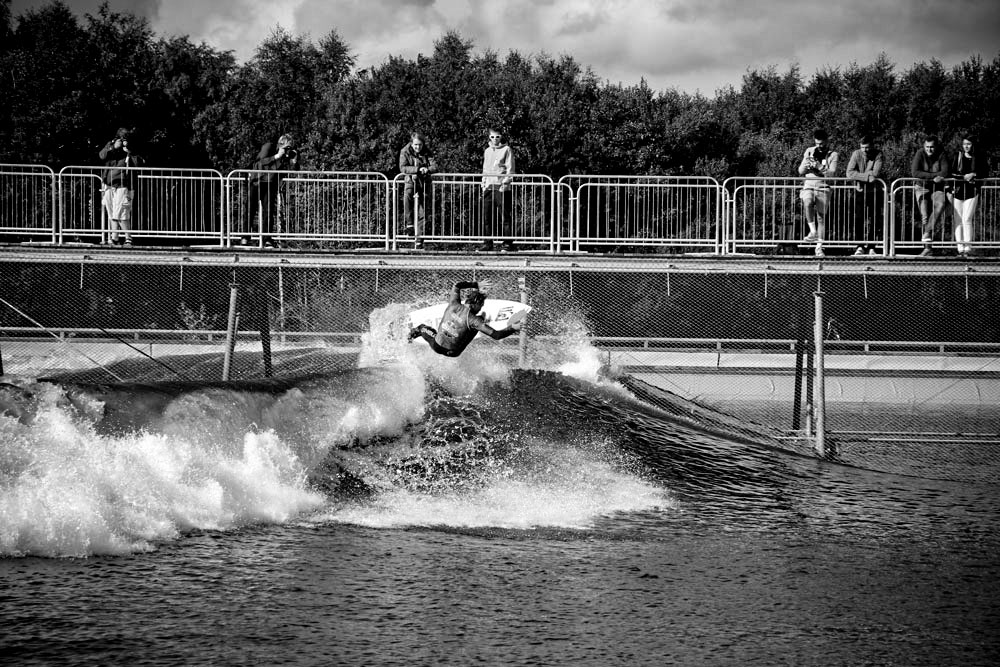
(966, 171)
(930, 164)
(417, 164)
(117, 185)
(461, 322)
(265, 184)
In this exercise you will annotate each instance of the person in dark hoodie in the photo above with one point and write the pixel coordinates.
(117, 185)
(265, 184)
(930, 165)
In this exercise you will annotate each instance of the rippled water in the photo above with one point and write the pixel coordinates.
(418, 513)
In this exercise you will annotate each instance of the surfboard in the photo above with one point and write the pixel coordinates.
(498, 313)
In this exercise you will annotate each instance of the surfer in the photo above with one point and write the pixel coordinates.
(461, 322)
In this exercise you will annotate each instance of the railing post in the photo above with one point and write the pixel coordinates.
(234, 299)
(819, 399)
(522, 344)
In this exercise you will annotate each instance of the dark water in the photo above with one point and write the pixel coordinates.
(414, 514)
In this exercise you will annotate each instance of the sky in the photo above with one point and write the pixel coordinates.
(689, 45)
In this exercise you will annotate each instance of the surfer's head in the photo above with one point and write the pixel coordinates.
(475, 301)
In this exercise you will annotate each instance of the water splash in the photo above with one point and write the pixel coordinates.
(558, 486)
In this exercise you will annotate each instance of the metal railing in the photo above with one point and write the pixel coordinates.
(769, 212)
(175, 204)
(906, 217)
(331, 210)
(28, 202)
(320, 207)
(644, 212)
(459, 209)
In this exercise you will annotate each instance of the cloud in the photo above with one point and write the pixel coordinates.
(685, 44)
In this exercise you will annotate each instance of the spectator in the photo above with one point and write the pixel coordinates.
(118, 185)
(265, 184)
(931, 166)
(496, 204)
(965, 171)
(818, 162)
(417, 163)
(864, 167)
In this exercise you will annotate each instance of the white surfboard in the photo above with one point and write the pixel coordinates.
(498, 313)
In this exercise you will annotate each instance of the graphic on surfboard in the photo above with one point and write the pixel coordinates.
(498, 313)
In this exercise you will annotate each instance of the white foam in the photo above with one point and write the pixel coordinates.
(67, 491)
(566, 488)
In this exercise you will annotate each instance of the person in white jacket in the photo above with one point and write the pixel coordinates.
(497, 204)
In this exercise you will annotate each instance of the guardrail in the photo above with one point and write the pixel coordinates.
(906, 217)
(576, 214)
(28, 201)
(178, 204)
(307, 206)
(644, 211)
(622, 343)
(769, 212)
(456, 208)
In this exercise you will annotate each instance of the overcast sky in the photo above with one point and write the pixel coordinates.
(690, 45)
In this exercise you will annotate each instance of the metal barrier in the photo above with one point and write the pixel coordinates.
(907, 218)
(768, 212)
(177, 204)
(458, 210)
(28, 202)
(337, 209)
(319, 207)
(644, 211)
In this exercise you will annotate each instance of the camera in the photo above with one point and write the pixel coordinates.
(291, 153)
(820, 153)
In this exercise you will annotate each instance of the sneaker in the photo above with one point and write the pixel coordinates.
(418, 245)
(507, 246)
(819, 251)
(859, 251)
(872, 252)
(810, 238)
(486, 247)
(927, 252)
(128, 242)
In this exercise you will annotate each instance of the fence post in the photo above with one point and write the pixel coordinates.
(523, 335)
(819, 398)
(234, 299)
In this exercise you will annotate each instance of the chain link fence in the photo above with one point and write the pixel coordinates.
(910, 358)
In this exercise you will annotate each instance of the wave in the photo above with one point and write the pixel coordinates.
(406, 439)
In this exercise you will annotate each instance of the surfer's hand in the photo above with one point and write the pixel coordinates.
(484, 286)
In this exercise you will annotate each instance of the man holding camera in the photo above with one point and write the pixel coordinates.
(116, 186)
(818, 162)
(265, 183)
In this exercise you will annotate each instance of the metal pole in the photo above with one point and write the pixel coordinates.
(819, 398)
(234, 299)
(522, 344)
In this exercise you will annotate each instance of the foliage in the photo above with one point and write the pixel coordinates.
(195, 106)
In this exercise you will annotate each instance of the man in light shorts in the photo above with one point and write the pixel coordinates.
(818, 162)
(117, 185)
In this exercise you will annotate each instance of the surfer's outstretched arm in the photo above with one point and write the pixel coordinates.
(498, 335)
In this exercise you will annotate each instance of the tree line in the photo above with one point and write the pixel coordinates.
(68, 84)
